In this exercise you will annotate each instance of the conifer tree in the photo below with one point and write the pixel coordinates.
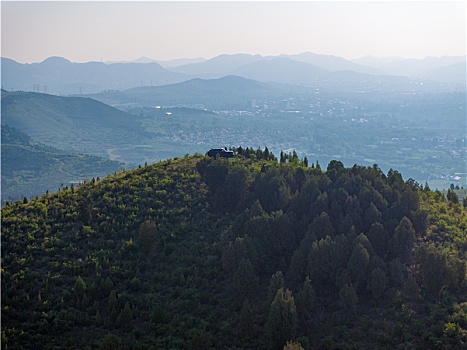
(276, 283)
(80, 288)
(290, 345)
(282, 320)
(411, 289)
(348, 298)
(305, 299)
(378, 238)
(403, 239)
(125, 316)
(358, 263)
(112, 301)
(245, 279)
(246, 323)
(452, 196)
(377, 282)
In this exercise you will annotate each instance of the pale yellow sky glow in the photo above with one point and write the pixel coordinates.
(95, 31)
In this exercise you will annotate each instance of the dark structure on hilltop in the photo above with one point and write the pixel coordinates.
(213, 152)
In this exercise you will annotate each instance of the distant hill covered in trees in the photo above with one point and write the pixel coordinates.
(241, 253)
(30, 168)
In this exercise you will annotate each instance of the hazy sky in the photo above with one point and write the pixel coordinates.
(118, 30)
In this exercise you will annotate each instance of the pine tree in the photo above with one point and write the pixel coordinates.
(282, 157)
(411, 289)
(80, 288)
(452, 196)
(245, 280)
(125, 316)
(276, 283)
(403, 239)
(306, 299)
(358, 263)
(378, 238)
(99, 320)
(282, 320)
(112, 301)
(377, 282)
(290, 345)
(246, 323)
(348, 298)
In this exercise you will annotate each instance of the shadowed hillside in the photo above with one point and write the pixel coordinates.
(30, 169)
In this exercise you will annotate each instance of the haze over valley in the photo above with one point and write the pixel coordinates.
(323, 107)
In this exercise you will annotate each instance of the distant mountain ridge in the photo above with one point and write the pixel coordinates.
(217, 66)
(333, 63)
(453, 73)
(57, 75)
(206, 93)
(166, 64)
(422, 68)
(282, 69)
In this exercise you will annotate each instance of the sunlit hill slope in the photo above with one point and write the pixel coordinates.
(248, 252)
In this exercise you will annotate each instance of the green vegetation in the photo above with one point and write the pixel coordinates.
(30, 169)
(248, 252)
(424, 133)
(81, 125)
(86, 126)
(421, 134)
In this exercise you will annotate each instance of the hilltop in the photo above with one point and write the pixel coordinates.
(249, 252)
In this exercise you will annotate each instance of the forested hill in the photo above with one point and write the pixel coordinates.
(77, 124)
(248, 252)
(30, 168)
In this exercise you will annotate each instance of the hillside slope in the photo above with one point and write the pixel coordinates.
(30, 169)
(197, 253)
(213, 94)
(76, 124)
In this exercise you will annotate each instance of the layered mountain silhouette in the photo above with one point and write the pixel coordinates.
(58, 75)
